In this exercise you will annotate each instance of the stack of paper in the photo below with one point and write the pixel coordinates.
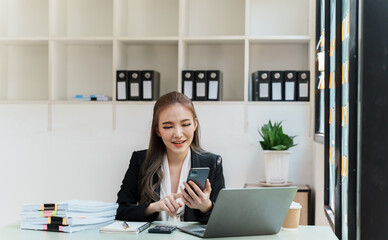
(68, 216)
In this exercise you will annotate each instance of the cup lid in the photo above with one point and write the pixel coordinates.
(295, 205)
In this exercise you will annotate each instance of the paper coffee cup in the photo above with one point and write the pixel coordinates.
(291, 222)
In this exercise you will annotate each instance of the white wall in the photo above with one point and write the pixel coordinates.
(83, 158)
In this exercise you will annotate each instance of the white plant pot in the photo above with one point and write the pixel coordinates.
(276, 166)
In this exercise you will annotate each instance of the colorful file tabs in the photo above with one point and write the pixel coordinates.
(68, 216)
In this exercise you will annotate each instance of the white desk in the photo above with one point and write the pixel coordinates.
(13, 232)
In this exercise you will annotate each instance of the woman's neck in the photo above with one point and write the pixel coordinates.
(176, 159)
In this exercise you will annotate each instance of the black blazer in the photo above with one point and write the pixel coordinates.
(128, 197)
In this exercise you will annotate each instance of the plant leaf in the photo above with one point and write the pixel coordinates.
(279, 147)
(274, 138)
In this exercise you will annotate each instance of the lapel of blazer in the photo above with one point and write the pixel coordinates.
(194, 160)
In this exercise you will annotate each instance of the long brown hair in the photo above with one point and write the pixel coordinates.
(151, 169)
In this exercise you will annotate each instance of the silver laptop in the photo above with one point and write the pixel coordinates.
(246, 212)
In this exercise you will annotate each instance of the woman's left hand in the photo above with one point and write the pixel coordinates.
(196, 198)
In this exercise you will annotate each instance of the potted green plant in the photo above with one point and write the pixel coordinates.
(276, 145)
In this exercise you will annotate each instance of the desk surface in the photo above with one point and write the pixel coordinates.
(13, 232)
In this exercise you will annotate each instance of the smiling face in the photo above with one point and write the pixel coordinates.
(176, 128)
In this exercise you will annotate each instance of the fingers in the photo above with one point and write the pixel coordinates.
(176, 195)
(169, 209)
(186, 198)
(195, 198)
(189, 189)
(197, 190)
(173, 202)
(194, 195)
(208, 188)
(170, 205)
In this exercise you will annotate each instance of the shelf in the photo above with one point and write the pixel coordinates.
(156, 56)
(279, 103)
(82, 18)
(279, 17)
(76, 46)
(199, 103)
(24, 72)
(147, 18)
(215, 103)
(149, 40)
(146, 103)
(80, 102)
(81, 69)
(250, 103)
(280, 39)
(215, 40)
(24, 102)
(210, 103)
(226, 57)
(214, 18)
(26, 41)
(84, 40)
(151, 103)
(24, 18)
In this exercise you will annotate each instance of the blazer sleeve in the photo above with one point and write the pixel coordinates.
(217, 182)
(128, 197)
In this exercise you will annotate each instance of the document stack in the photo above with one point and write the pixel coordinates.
(69, 216)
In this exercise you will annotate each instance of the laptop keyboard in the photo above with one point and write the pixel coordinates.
(199, 229)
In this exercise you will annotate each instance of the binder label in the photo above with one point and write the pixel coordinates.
(147, 89)
(201, 86)
(264, 90)
(290, 89)
(213, 90)
(277, 91)
(188, 88)
(121, 91)
(134, 89)
(303, 90)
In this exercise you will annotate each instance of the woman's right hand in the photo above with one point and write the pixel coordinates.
(167, 204)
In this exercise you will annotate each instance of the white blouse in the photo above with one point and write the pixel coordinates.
(165, 187)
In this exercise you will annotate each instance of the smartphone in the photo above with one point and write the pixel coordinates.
(199, 176)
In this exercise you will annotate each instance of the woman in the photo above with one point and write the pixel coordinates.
(153, 187)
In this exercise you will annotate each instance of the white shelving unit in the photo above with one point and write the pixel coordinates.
(81, 67)
(24, 18)
(51, 50)
(149, 18)
(24, 70)
(81, 18)
(214, 18)
(279, 18)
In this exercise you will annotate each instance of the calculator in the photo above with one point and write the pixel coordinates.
(162, 229)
